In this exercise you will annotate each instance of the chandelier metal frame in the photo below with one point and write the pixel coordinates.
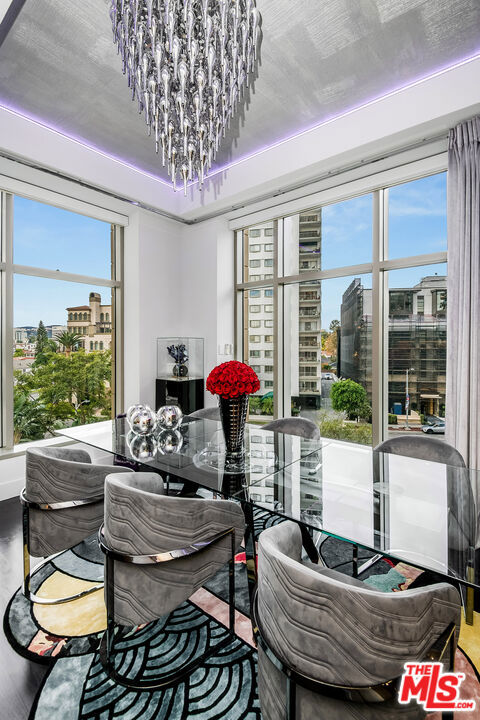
(188, 63)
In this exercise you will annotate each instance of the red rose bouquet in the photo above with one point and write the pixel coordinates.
(232, 379)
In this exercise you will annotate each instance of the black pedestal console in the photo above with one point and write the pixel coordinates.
(185, 392)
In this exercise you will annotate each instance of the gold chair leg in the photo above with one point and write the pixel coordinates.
(469, 604)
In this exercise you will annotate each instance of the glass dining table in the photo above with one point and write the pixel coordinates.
(415, 511)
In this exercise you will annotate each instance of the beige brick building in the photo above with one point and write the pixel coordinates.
(93, 322)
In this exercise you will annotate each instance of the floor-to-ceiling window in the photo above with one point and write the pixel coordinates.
(258, 344)
(342, 312)
(61, 293)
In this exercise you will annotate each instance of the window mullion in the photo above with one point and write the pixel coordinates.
(7, 321)
(278, 348)
(377, 318)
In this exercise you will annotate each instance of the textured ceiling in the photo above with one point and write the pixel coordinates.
(317, 59)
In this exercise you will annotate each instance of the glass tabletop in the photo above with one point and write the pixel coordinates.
(196, 451)
(420, 512)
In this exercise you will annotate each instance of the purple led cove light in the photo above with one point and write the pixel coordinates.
(344, 114)
(82, 143)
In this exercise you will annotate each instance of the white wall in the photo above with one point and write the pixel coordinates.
(178, 281)
(207, 282)
(153, 298)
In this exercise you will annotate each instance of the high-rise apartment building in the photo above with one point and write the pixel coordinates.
(258, 306)
(310, 305)
(302, 252)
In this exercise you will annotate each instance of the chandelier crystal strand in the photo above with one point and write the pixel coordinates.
(187, 63)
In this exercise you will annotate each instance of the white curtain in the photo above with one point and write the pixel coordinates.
(463, 297)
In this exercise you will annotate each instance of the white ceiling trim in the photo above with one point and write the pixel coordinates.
(61, 200)
(419, 112)
(426, 109)
(402, 167)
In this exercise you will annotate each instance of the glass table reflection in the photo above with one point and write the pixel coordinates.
(415, 511)
(195, 452)
(420, 512)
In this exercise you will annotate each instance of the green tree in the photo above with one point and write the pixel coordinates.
(31, 419)
(267, 406)
(69, 340)
(350, 397)
(18, 352)
(334, 325)
(255, 404)
(76, 386)
(42, 344)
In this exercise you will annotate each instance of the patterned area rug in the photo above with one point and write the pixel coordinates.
(67, 638)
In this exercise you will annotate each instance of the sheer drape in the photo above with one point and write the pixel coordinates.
(463, 299)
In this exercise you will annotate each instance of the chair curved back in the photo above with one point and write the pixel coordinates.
(57, 475)
(141, 520)
(460, 500)
(335, 629)
(211, 413)
(294, 426)
(422, 448)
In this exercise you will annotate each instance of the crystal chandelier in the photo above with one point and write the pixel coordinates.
(187, 64)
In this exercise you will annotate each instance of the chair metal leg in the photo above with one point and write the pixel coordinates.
(106, 649)
(250, 558)
(28, 573)
(369, 563)
(355, 561)
(470, 600)
(291, 698)
(309, 545)
(231, 587)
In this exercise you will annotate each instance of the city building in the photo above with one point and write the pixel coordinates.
(54, 330)
(309, 312)
(417, 331)
(93, 322)
(302, 253)
(258, 304)
(22, 334)
(23, 363)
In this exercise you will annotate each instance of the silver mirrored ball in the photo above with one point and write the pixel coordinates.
(143, 421)
(132, 410)
(142, 447)
(169, 442)
(169, 417)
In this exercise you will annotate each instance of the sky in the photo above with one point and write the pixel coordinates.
(48, 237)
(417, 224)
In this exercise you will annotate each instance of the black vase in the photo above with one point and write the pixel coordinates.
(233, 414)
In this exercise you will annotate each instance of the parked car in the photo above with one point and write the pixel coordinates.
(329, 376)
(437, 427)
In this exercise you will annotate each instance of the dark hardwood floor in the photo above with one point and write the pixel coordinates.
(19, 678)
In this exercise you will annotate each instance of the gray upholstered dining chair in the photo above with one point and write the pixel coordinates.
(211, 413)
(159, 550)
(62, 505)
(460, 500)
(323, 633)
(294, 426)
(423, 448)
